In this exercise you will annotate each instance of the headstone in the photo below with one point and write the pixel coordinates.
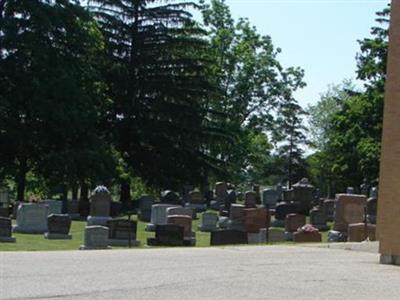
(250, 200)
(281, 210)
(318, 219)
(372, 207)
(4, 197)
(287, 196)
(303, 194)
(197, 203)
(73, 209)
(100, 204)
(121, 231)
(223, 222)
(196, 197)
(349, 209)
(231, 198)
(4, 212)
(186, 223)
(256, 219)
(294, 222)
(228, 237)
(31, 218)
(356, 232)
(168, 235)
(5, 231)
(307, 237)
(96, 237)
(182, 211)
(58, 227)
(145, 204)
(329, 209)
(257, 238)
(221, 193)
(221, 189)
(170, 197)
(276, 235)
(365, 187)
(55, 207)
(158, 216)
(236, 217)
(270, 198)
(350, 190)
(209, 222)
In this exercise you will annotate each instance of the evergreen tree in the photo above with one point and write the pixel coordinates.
(157, 79)
(51, 91)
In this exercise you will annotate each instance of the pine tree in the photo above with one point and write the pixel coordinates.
(157, 78)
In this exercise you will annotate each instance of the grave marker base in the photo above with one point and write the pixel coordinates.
(7, 239)
(57, 236)
(123, 243)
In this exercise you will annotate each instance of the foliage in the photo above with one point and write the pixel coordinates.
(349, 137)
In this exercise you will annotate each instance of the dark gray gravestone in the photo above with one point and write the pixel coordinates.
(121, 231)
(228, 237)
(168, 235)
(145, 204)
(58, 227)
(4, 212)
(318, 219)
(170, 197)
(5, 230)
(283, 209)
(372, 210)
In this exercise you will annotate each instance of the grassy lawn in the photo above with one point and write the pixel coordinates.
(37, 242)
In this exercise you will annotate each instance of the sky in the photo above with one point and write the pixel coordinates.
(319, 36)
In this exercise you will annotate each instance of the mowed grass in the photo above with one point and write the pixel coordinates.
(37, 242)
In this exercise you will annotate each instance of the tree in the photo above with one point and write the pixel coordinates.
(157, 67)
(354, 131)
(291, 139)
(52, 93)
(321, 119)
(252, 82)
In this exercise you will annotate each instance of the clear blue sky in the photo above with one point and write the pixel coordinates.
(318, 35)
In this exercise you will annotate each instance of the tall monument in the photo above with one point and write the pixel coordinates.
(389, 184)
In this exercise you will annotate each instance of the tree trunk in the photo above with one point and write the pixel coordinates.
(125, 197)
(74, 191)
(84, 205)
(21, 180)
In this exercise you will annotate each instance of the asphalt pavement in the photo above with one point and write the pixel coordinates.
(245, 272)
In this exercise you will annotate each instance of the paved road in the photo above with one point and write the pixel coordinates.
(275, 272)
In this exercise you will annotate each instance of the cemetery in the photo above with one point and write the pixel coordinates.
(275, 215)
(173, 150)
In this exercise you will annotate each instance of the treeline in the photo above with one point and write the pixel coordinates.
(346, 124)
(138, 92)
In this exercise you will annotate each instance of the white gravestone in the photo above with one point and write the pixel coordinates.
(32, 218)
(158, 216)
(96, 237)
(209, 222)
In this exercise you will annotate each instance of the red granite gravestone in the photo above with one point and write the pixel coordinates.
(294, 221)
(255, 219)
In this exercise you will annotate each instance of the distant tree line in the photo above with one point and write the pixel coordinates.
(346, 124)
(134, 93)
